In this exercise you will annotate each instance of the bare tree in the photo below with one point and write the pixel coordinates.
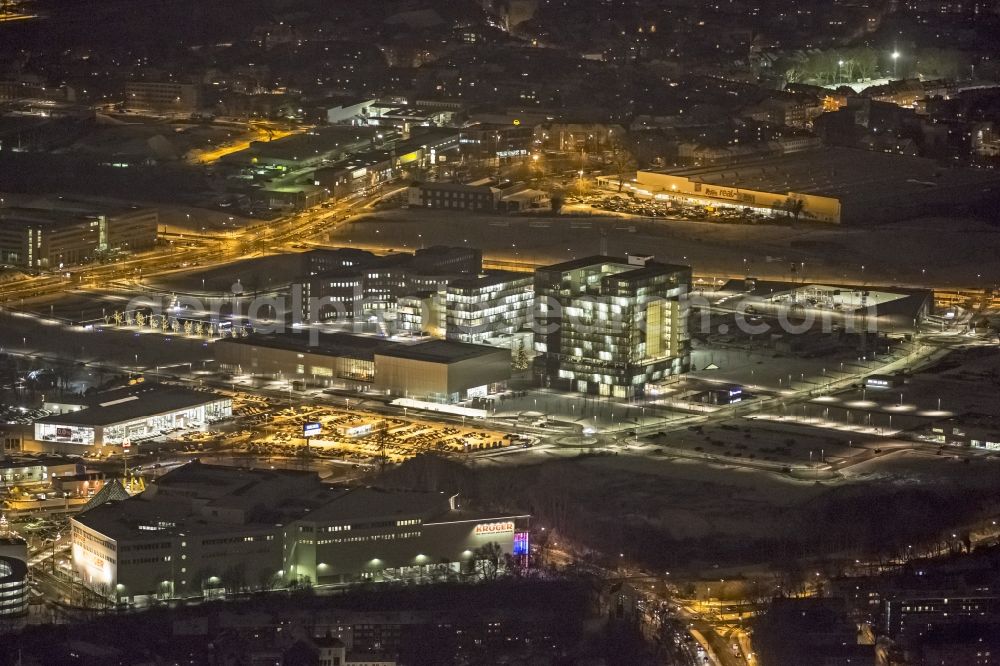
(488, 558)
(623, 163)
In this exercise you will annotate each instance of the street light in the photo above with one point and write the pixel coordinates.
(895, 59)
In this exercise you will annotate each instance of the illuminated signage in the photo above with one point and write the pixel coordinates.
(311, 429)
(520, 543)
(494, 528)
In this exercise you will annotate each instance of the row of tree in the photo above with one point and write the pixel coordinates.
(831, 67)
(168, 324)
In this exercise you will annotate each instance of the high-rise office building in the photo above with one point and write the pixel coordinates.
(610, 326)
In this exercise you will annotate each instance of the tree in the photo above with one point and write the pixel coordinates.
(382, 441)
(556, 201)
(623, 163)
(520, 361)
(488, 559)
(794, 207)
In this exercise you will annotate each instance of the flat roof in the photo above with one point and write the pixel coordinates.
(315, 142)
(374, 503)
(185, 496)
(453, 187)
(845, 174)
(341, 345)
(489, 279)
(131, 403)
(439, 351)
(13, 569)
(601, 260)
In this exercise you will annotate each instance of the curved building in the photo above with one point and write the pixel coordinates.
(13, 578)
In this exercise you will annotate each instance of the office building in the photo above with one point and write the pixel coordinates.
(111, 419)
(611, 326)
(67, 236)
(489, 308)
(161, 96)
(454, 196)
(204, 530)
(347, 285)
(421, 313)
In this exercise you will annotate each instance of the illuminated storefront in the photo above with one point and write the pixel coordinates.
(133, 413)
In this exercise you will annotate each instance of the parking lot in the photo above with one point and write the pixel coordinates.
(670, 209)
(354, 436)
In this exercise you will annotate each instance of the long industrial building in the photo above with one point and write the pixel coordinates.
(205, 530)
(831, 185)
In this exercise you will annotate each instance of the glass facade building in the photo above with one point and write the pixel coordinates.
(610, 326)
(496, 305)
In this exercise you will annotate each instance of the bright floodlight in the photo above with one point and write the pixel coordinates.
(895, 54)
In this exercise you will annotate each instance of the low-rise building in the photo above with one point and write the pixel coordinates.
(162, 96)
(55, 237)
(980, 431)
(331, 359)
(113, 419)
(454, 196)
(204, 530)
(442, 371)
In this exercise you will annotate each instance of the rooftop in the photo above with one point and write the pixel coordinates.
(439, 351)
(489, 279)
(616, 262)
(315, 142)
(187, 500)
(341, 345)
(841, 173)
(131, 403)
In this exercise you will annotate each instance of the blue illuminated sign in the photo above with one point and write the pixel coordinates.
(520, 543)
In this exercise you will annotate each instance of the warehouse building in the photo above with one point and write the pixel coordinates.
(111, 419)
(205, 530)
(832, 185)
